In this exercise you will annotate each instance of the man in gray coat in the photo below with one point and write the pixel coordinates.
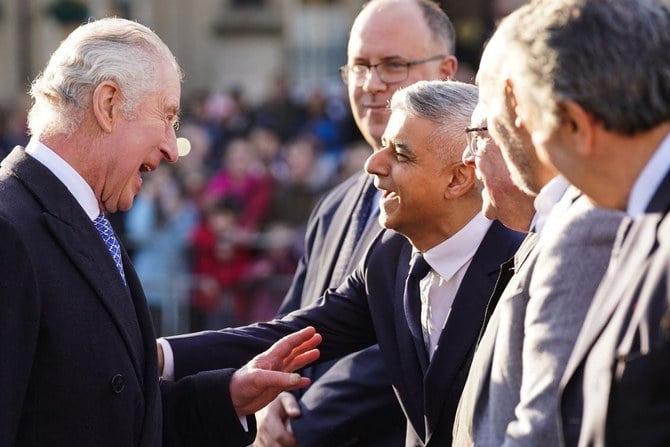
(605, 124)
(510, 395)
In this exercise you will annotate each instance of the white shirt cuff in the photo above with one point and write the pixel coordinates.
(168, 372)
(168, 360)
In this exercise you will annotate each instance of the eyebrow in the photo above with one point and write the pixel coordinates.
(359, 60)
(402, 145)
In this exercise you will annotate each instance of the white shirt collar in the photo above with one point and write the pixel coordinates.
(549, 196)
(450, 255)
(74, 182)
(649, 179)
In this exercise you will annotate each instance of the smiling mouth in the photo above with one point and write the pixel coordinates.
(145, 168)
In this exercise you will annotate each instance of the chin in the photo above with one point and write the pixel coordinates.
(125, 205)
(385, 222)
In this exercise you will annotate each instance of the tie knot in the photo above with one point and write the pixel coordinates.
(419, 268)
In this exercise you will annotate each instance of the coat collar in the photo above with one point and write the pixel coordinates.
(76, 235)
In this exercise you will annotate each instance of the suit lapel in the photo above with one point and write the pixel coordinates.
(89, 254)
(484, 354)
(411, 373)
(460, 333)
(370, 233)
(505, 275)
(527, 246)
(76, 235)
(660, 202)
(332, 243)
(618, 280)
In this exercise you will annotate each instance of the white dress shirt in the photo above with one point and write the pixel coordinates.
(74, 182)
(549, 196)
(449, 261)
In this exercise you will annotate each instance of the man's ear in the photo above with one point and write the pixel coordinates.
(106, 100)
(462, 178)
(448, 68)
(512, 105)
(578, 127)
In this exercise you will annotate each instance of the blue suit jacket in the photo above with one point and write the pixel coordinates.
(616, 386)
(368, 308)
(350, 401)
(78, 349)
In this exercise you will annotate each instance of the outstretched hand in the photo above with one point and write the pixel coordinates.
(257, 383)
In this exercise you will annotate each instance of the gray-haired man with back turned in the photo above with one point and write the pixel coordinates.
(510, 397)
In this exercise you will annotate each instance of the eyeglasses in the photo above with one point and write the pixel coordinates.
(389, 72)
(473, 147)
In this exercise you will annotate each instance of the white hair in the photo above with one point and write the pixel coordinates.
(111, 49)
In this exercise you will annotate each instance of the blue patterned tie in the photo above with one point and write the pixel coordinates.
(104, 227)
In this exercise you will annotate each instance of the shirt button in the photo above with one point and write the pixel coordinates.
(118, 383)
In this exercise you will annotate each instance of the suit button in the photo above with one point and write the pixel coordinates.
(118, 383)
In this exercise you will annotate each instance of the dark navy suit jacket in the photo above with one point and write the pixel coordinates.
(77, 346)
(368, 308)
(616, 387)
(350, 401)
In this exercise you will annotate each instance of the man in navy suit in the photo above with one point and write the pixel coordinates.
(76, 339)
(604, 123)
(430, 199)
(350, 401)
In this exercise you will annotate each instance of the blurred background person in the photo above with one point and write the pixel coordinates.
(159, 227)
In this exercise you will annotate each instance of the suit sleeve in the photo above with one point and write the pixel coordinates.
(19, 327)
(341, 316)
(568, 270)
(198, 411)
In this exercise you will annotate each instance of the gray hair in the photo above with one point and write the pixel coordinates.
(494, 66)
(441, 29)
(111, 49)
(447, 103)
(609, 56)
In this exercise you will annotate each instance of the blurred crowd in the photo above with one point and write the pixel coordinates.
(216, 237)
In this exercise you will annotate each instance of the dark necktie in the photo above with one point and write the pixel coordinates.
(359, 219)
(508, 269)
(104, 227)
(418, 270)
